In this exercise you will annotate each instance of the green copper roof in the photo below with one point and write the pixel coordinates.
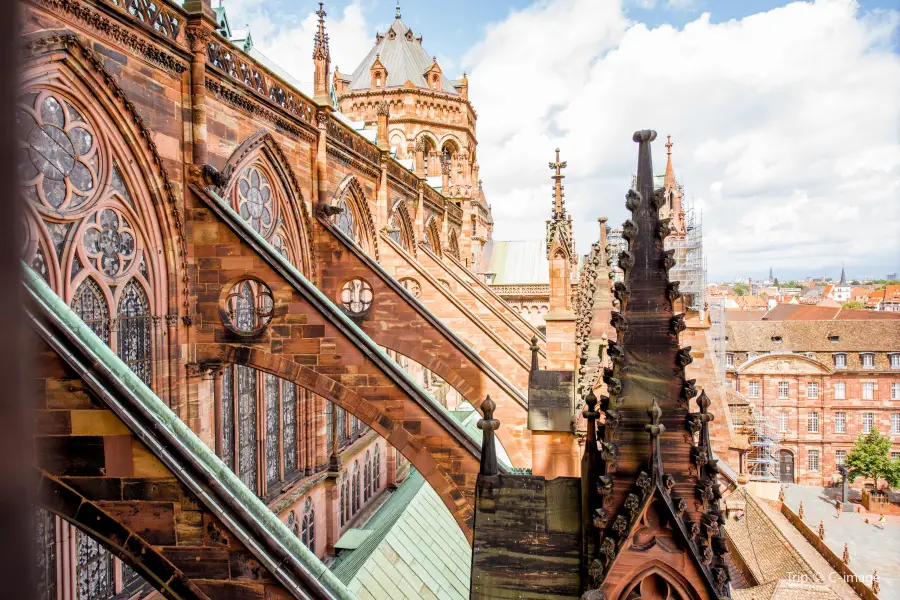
(164, 418)
(416, 550)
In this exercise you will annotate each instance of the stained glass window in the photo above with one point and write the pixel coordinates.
(356, 297)
(289, 416)
(376, 478)
(45, 552)
(272, 427)
(342, 432)
(89, 304)
(246, 389)
(95, 574)
(292, 523)
(345, 500)
(309, 525)
(228, 416)
(249, 306)
(346, 222)
(255, 202)
(134, 330)
(355, 485)
(367, 477)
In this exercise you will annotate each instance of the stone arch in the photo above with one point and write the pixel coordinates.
(432, 154)
(401, 219)
(679, 587)
(80, 511)
(432, 236)
(790, 364)
(427, 460)
(261, 147)
(451, 143)
(453, 245)
(350, 193)
(131, 193)
(397, 140)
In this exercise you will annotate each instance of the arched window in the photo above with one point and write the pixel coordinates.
(329, 416)
(133, 331)
(354, 483)
(246, 424)
(292, 523)
(289, 419)
(309, 525)
(342, 433)
(345, 500)
(346, 221)
(367, 477)
(95, 569)
(376, 475)
(272, 414)
(89, 304)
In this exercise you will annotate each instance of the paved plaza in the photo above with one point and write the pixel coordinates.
(870, 547)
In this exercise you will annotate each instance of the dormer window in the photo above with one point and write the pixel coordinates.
(868, 360)
(729, 359)
(895, 361)
(777, 339)
(834, 338)
(840, 361)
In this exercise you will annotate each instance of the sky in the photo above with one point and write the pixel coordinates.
(785, 117)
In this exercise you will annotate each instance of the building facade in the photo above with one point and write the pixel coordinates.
(820, 385)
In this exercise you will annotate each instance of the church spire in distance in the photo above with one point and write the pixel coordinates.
(397, 11)
(559, 204)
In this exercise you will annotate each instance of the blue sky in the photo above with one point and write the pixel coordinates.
(784, 115)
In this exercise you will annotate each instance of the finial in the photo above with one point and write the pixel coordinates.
(846, 556)
(321, 12)
(669, 145)
(821, 530)
(534, 353)
(800, 511)
(488, 424)
(397, 12)
(654, 428)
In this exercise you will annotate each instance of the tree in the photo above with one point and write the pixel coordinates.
(852, 304)
(740, 289)
(871, 458)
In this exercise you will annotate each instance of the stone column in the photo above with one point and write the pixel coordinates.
(420, 158)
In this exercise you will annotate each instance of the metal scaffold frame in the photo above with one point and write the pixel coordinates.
(690, 263)
(762, 457)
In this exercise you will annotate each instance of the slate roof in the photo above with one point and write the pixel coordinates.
(518, 261)
(854, 335)
(404, 58)
(416, 550)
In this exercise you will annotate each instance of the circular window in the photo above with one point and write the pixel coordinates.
(412, 286)
(247, 307)
(356, 297)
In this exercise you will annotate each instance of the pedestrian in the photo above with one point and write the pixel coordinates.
(881, 521)
(837, 515)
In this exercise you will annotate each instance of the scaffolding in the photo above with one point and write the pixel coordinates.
(717, 337)
(690, 263)
(762, 456)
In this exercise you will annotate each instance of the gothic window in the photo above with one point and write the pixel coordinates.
(354, 427)
(246, 400)
(133, 323)
(289, 417)
(272, 427)
(255, 200)
(89, 304)
(58, 152)
(228, 416)
(653, 587)
(248, 307)
(356, 297)
(292, 524)
(345, 499)
(45, 552)
(94, 568)
(342, 433)
(309, 525)
(367, 477)
(376, 475)
(354, 484)
(329, 434)
(397, 232)
(346, 222)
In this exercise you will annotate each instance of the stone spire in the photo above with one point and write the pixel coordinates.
(559, 204)
(670, 171)
(397, 11)
(321, 59)
(843, 282)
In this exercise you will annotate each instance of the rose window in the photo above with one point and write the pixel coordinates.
(412, 286)
(255, 200)
(356, 297)
(57, 152)
(247, 307)
(109, 242)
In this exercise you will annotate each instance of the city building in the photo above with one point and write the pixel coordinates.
(819, 377)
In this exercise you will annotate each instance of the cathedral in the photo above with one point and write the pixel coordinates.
(278, 353)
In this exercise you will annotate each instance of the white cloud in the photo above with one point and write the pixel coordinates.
(287, 38)
(785, 123)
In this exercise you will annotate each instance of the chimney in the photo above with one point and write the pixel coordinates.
(381, 139)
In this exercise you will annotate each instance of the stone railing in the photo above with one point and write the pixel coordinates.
(454, 213)
(350, 140)
(434, 200)
(161, 16)
(402, 175)
(236, 65)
